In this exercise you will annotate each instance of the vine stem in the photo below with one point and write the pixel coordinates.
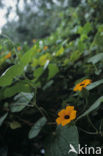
(25, 121)
(86, 104)
(51, 123)
(91, 123)
(35, 105)
(100, 127)
(87, 132)
(39, 110)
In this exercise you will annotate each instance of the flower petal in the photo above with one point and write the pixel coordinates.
(73, 115)
(65, 122)
(61, 113)
(69, 109)
(58, 121)
(82, 85)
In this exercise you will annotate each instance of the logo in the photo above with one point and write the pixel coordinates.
(85, 150)
(72, 149)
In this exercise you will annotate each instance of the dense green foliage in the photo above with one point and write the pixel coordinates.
(37, 81)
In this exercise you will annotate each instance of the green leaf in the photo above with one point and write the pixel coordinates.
(27, 57)
(93, 107)
(38, 72)
(21, 101)
(10, 73)
(35, 130)
(95, 59)
(35, 62)
(16, 70)
(60, 52)
(44, 58)
(3, 118)
(81, 47)
(75, 56)
(87, 28)
(48, 84)
(94, 85)
(21, 86)
(53, 69)
(59, 143)
(15, 125)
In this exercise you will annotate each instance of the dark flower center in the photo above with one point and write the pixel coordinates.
(81, 84)
(67, 117)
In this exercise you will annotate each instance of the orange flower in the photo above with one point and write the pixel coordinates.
(39, 50)
(82, 85)
(34, 40)
(45, 47)
(66, 115)
(18, 48)
(8, 55)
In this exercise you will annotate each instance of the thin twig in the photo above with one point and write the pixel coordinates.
(87, 132)
(91, 123)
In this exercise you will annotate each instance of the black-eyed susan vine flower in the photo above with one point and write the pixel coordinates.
(19, 48)
(66, 116)
(33, 40)
(82, 85)
(39, 50)
(8, 55)
(45, 47)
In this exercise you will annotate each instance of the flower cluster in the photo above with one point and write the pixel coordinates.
(65, 116)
